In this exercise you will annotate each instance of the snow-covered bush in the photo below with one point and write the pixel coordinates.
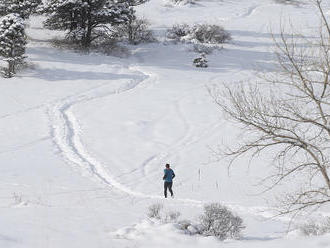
(220, 222)
(157, 212)
(201, 61)
(18, 198)
(198, 33)
(216, 221)
(205, 48)
(154, 211)
(135, 31)
(211, 34)
(314, 228)
(12, 42)
(24, 8)
(178, 32)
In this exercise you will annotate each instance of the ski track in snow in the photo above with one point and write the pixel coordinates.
(175, 146)
(188, 138)
(249, 11)
(253, 9)
(65, 132)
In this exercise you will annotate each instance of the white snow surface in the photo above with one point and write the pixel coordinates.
(84, 138)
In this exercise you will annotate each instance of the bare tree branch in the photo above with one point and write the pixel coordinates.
(289, 113)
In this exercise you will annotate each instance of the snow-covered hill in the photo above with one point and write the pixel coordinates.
(84, 138)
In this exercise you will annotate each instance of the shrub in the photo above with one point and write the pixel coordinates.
(216, 221)
(18, 198)
(154, 211)
(177, 32)
(212, 34)
(204, 48)
(220, 222)
(199, 33)
(135, 31)
(313, 228)
(201, 61)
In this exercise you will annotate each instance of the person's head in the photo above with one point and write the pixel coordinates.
(167, 166)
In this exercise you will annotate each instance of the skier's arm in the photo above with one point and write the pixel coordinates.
(164, 175)
(173, 176)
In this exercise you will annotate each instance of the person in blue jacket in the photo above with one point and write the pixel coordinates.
(168, 180)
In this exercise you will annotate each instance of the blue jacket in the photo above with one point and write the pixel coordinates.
(168, 175)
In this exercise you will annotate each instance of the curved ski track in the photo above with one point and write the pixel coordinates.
(65, 132)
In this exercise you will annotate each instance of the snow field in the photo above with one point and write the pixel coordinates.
(85, 138)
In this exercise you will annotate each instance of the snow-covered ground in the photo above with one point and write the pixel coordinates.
(84, 138)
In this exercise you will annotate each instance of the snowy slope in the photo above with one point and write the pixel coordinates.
(85, 137)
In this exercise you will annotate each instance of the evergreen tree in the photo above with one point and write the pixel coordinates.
(22, 7)
(85, 20)
(12, 42)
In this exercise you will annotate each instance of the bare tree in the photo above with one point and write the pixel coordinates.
(288, 114)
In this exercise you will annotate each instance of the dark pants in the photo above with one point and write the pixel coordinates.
(168, 185)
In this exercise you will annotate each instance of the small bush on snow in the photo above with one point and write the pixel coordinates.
(220, 222)
(201, 61)
(204, 48)
(177, 32)
(313, 228)
(216, 221)
(198, 33)
(211, 34)
(18, 198)
(154, 211)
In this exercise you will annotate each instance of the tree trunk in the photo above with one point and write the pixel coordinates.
(87, 26)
